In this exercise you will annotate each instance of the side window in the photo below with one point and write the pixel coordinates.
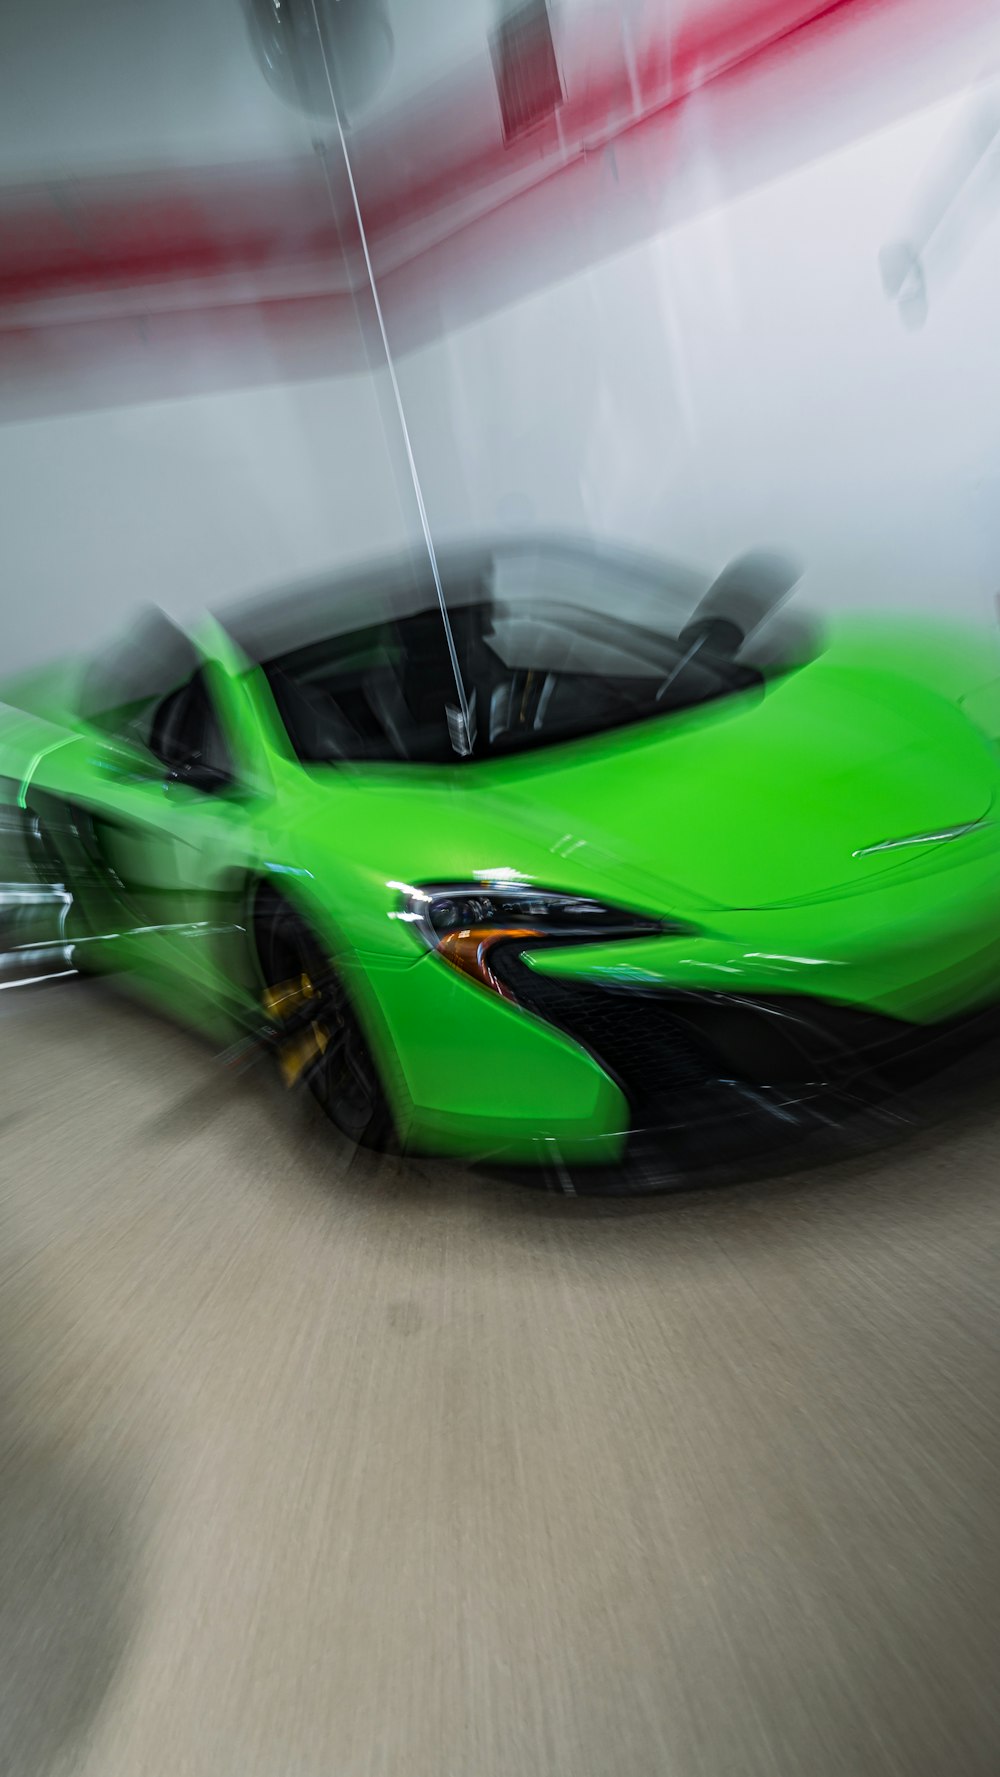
(186, 736)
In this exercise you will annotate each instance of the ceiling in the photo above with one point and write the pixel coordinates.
(152, 82)
(160, 205)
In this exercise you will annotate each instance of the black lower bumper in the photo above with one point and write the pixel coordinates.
(716, 1077)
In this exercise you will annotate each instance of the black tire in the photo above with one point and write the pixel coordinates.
(343, 1076)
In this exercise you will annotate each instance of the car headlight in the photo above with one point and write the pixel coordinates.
(465, 923)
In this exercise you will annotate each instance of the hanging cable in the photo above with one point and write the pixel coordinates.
(465, 742)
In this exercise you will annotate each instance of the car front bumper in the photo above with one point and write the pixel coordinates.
(773, 1022)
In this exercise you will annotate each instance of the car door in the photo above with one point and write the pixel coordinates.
(155, 817)
(171, 837)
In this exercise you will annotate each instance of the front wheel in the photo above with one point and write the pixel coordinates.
(318, 1038)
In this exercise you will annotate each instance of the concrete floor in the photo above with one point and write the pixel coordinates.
(323, 1470)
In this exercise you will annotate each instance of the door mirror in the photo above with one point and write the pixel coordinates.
(197, 775)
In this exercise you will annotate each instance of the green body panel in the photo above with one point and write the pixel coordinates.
(486, 1077)
(742, 819)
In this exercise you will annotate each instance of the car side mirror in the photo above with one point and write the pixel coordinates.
(195, 774)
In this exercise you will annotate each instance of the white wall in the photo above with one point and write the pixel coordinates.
(742, 379)
(187, 503)
(217, 492)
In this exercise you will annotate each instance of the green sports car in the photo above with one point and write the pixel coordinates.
(543, 853)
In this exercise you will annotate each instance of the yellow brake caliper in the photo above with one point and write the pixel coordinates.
(304, 1046)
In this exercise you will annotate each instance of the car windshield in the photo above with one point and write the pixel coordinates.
(553, 643)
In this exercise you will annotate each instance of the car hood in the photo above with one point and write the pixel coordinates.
(759, 800)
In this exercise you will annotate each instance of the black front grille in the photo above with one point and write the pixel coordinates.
(677, 1054)
(634, 1035)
